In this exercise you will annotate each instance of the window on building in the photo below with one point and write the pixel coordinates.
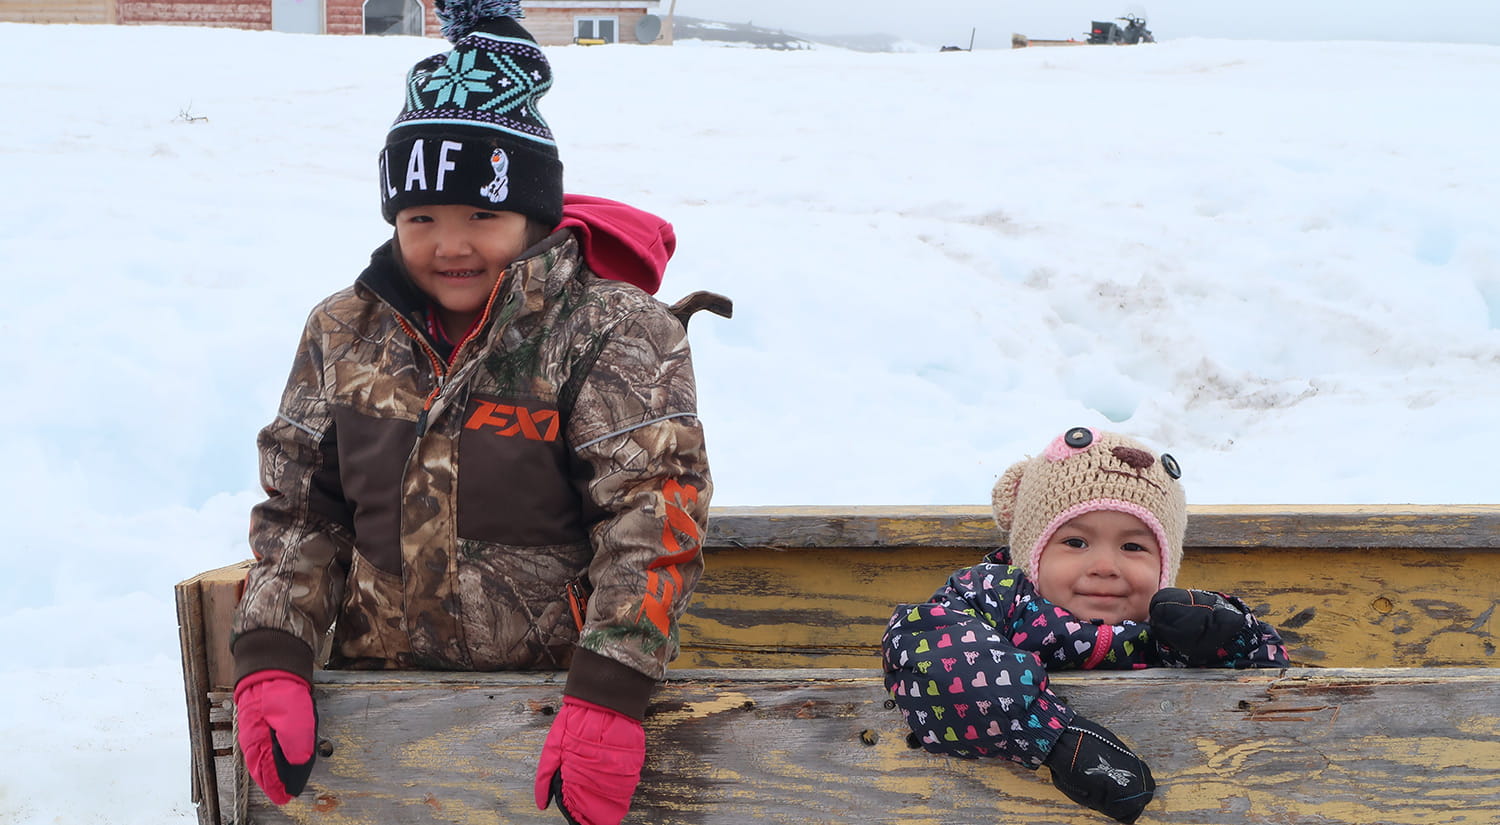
(394, 17)
(596, 28)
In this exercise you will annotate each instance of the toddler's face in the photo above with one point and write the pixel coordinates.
(1101, 565)
(456, 254)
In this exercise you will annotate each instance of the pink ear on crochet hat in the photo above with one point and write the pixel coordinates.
(1081, 471)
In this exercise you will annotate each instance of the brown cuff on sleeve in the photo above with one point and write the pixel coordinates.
(603, 681)
(267, 649)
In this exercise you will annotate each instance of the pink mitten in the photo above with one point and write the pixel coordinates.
(597, 754)
(274, 710)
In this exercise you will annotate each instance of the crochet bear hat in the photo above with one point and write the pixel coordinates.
(1081, 471)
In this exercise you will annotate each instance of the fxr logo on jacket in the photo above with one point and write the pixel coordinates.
(514, 419)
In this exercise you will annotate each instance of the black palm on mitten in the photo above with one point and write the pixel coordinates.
(293, 776)
(1199, 624)
(1095, 769)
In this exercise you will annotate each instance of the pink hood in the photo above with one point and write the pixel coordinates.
(620, 242)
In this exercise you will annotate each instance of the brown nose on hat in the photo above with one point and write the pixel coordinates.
(1081, 471)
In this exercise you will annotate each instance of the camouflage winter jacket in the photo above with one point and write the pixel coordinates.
(571, 412)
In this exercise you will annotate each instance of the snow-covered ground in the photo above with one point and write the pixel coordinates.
(1278, 261)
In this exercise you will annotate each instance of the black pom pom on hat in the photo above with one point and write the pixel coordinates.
(459, 17)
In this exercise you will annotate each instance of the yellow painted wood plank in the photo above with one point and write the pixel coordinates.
(828, 607)
(1338, 605)
(1347, 526)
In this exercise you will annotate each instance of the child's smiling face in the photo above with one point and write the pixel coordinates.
(456, 254)
(1101, 565)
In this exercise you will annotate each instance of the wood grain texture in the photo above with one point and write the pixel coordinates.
(1269, 526)
(827, 607)
(788, 588)
(1347, 586)
(196, 682)
(214, 595)
(57, 11)
(238, 14)
(1403, 747)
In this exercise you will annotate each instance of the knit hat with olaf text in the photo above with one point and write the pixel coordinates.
(469, 131)
(1084, 470)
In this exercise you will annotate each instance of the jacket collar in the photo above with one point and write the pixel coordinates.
(542, 271)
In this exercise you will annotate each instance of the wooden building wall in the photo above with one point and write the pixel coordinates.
(57, 11)
(550, 26)
(554, 27)
(230, 14)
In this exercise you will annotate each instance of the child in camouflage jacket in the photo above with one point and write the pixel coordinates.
(1095, 528)
(478, 434)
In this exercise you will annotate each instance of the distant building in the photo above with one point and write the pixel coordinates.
(552, 22)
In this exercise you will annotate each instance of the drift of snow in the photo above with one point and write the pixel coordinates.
(1278, 261)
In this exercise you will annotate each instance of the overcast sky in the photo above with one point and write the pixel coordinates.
(950, 21)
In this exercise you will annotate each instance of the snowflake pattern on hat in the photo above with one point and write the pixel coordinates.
(485, 81)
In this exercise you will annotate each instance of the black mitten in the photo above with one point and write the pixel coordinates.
(1095, 769)
(1195, 623)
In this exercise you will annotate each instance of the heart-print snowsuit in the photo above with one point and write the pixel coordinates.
(968, 668)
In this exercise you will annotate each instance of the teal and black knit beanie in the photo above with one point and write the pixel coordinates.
(469, 131)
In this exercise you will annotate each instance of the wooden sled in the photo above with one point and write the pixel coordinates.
(776, 712)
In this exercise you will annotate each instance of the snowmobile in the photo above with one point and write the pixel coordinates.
(1134, 31)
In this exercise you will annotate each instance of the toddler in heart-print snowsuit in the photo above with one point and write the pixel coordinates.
(1095, 527)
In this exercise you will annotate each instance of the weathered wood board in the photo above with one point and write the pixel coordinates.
(1408, 588)
(1400, 747)
(58, 11)
(1348, 586)
(813, 587)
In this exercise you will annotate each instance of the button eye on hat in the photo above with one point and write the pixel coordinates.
(1169, 464)
(1083, 470)
(1078, 437)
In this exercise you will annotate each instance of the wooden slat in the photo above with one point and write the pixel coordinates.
(57, 11)
(190, 628)
(828, 607)
(1293, 526)
(218, 593)
(243, 14)
(1347, 586)
(1401, 747)
(219, 604)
